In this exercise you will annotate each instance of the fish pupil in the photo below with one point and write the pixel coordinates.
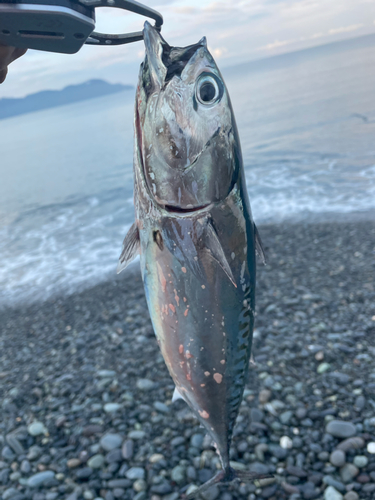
(207, 92)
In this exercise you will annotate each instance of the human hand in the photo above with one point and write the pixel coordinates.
(8, 55)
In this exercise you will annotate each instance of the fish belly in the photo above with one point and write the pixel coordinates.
(202, 320)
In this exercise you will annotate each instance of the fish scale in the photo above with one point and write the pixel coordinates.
(194, 233)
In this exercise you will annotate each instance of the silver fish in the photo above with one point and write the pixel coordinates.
(194, 232)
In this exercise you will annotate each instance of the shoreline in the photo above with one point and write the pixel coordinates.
(88, 365)
(353, 218)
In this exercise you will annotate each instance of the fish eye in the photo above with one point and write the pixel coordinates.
(207, 90)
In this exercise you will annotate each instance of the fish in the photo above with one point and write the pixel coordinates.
(195, 234)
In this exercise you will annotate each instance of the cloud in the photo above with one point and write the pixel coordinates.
(276, 44)
(236, 30)
(346, 29)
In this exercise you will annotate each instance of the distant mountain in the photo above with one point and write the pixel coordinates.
(52, 98)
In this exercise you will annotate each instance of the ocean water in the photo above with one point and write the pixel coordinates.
(307, 127)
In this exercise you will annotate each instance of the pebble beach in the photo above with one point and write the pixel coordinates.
(85, 397)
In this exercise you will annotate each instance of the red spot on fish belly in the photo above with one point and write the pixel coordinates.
(186, 312)
(181, 349)
(188, 376)
(172, 308)
(162, 279)
(207, 374)
(183, 269)
(176, 297)
(218, 378)
(203, 414)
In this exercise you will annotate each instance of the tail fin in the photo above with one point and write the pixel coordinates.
(226, 476)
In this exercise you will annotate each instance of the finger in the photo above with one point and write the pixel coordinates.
(3, 74)
(17, 53)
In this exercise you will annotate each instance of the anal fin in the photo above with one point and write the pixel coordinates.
(130, 248)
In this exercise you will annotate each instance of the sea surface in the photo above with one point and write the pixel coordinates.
(307, 126)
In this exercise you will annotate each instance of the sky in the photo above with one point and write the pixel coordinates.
(236, 31)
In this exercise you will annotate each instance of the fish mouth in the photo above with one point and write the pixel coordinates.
(186, 211)
(165, 61)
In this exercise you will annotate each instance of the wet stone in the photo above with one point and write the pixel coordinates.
(351, 495)
(114, 456)
(178, 474)
(36, 429)
(341, 429)
(40, 478)
(110, 442)
(145, 384)
(135, 473)
(15, 444)
(161, 407)
(330, 481)
(348, 472)
(84, 473)
(25, 467)
(96, 461)
(128, 449)
(196, 441)
(9, 493)
(337, 458)
(7, 454)
(360, 461)
(332, 494)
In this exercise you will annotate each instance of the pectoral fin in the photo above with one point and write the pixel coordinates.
(259, 246)
(130, 248)
(194, 241)
(213, 246)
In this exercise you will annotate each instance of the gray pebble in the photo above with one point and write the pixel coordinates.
(145, 384)
(161, 407)
(119, 483)
(177, 441)
(9, 493)
(332, 494)
(140, 496)
(51, 495)
(352, 443)
(36, 429)
(96, 461)
(286, 417)
(178, 474)
(7, 454)
(341, 429)
(84, 473)
(330, 481)
(137, 435)
(135, 473)
(25, 467)
(360, 461)
(114, 456)
(128, 449)
(111, 407)
(15, 444)
(348, 472)
(211, 494)
(337, 458)
(34, 453)
(40, 478)
(118, 492)
(196, 441)
(351, 495)
(110, 442)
